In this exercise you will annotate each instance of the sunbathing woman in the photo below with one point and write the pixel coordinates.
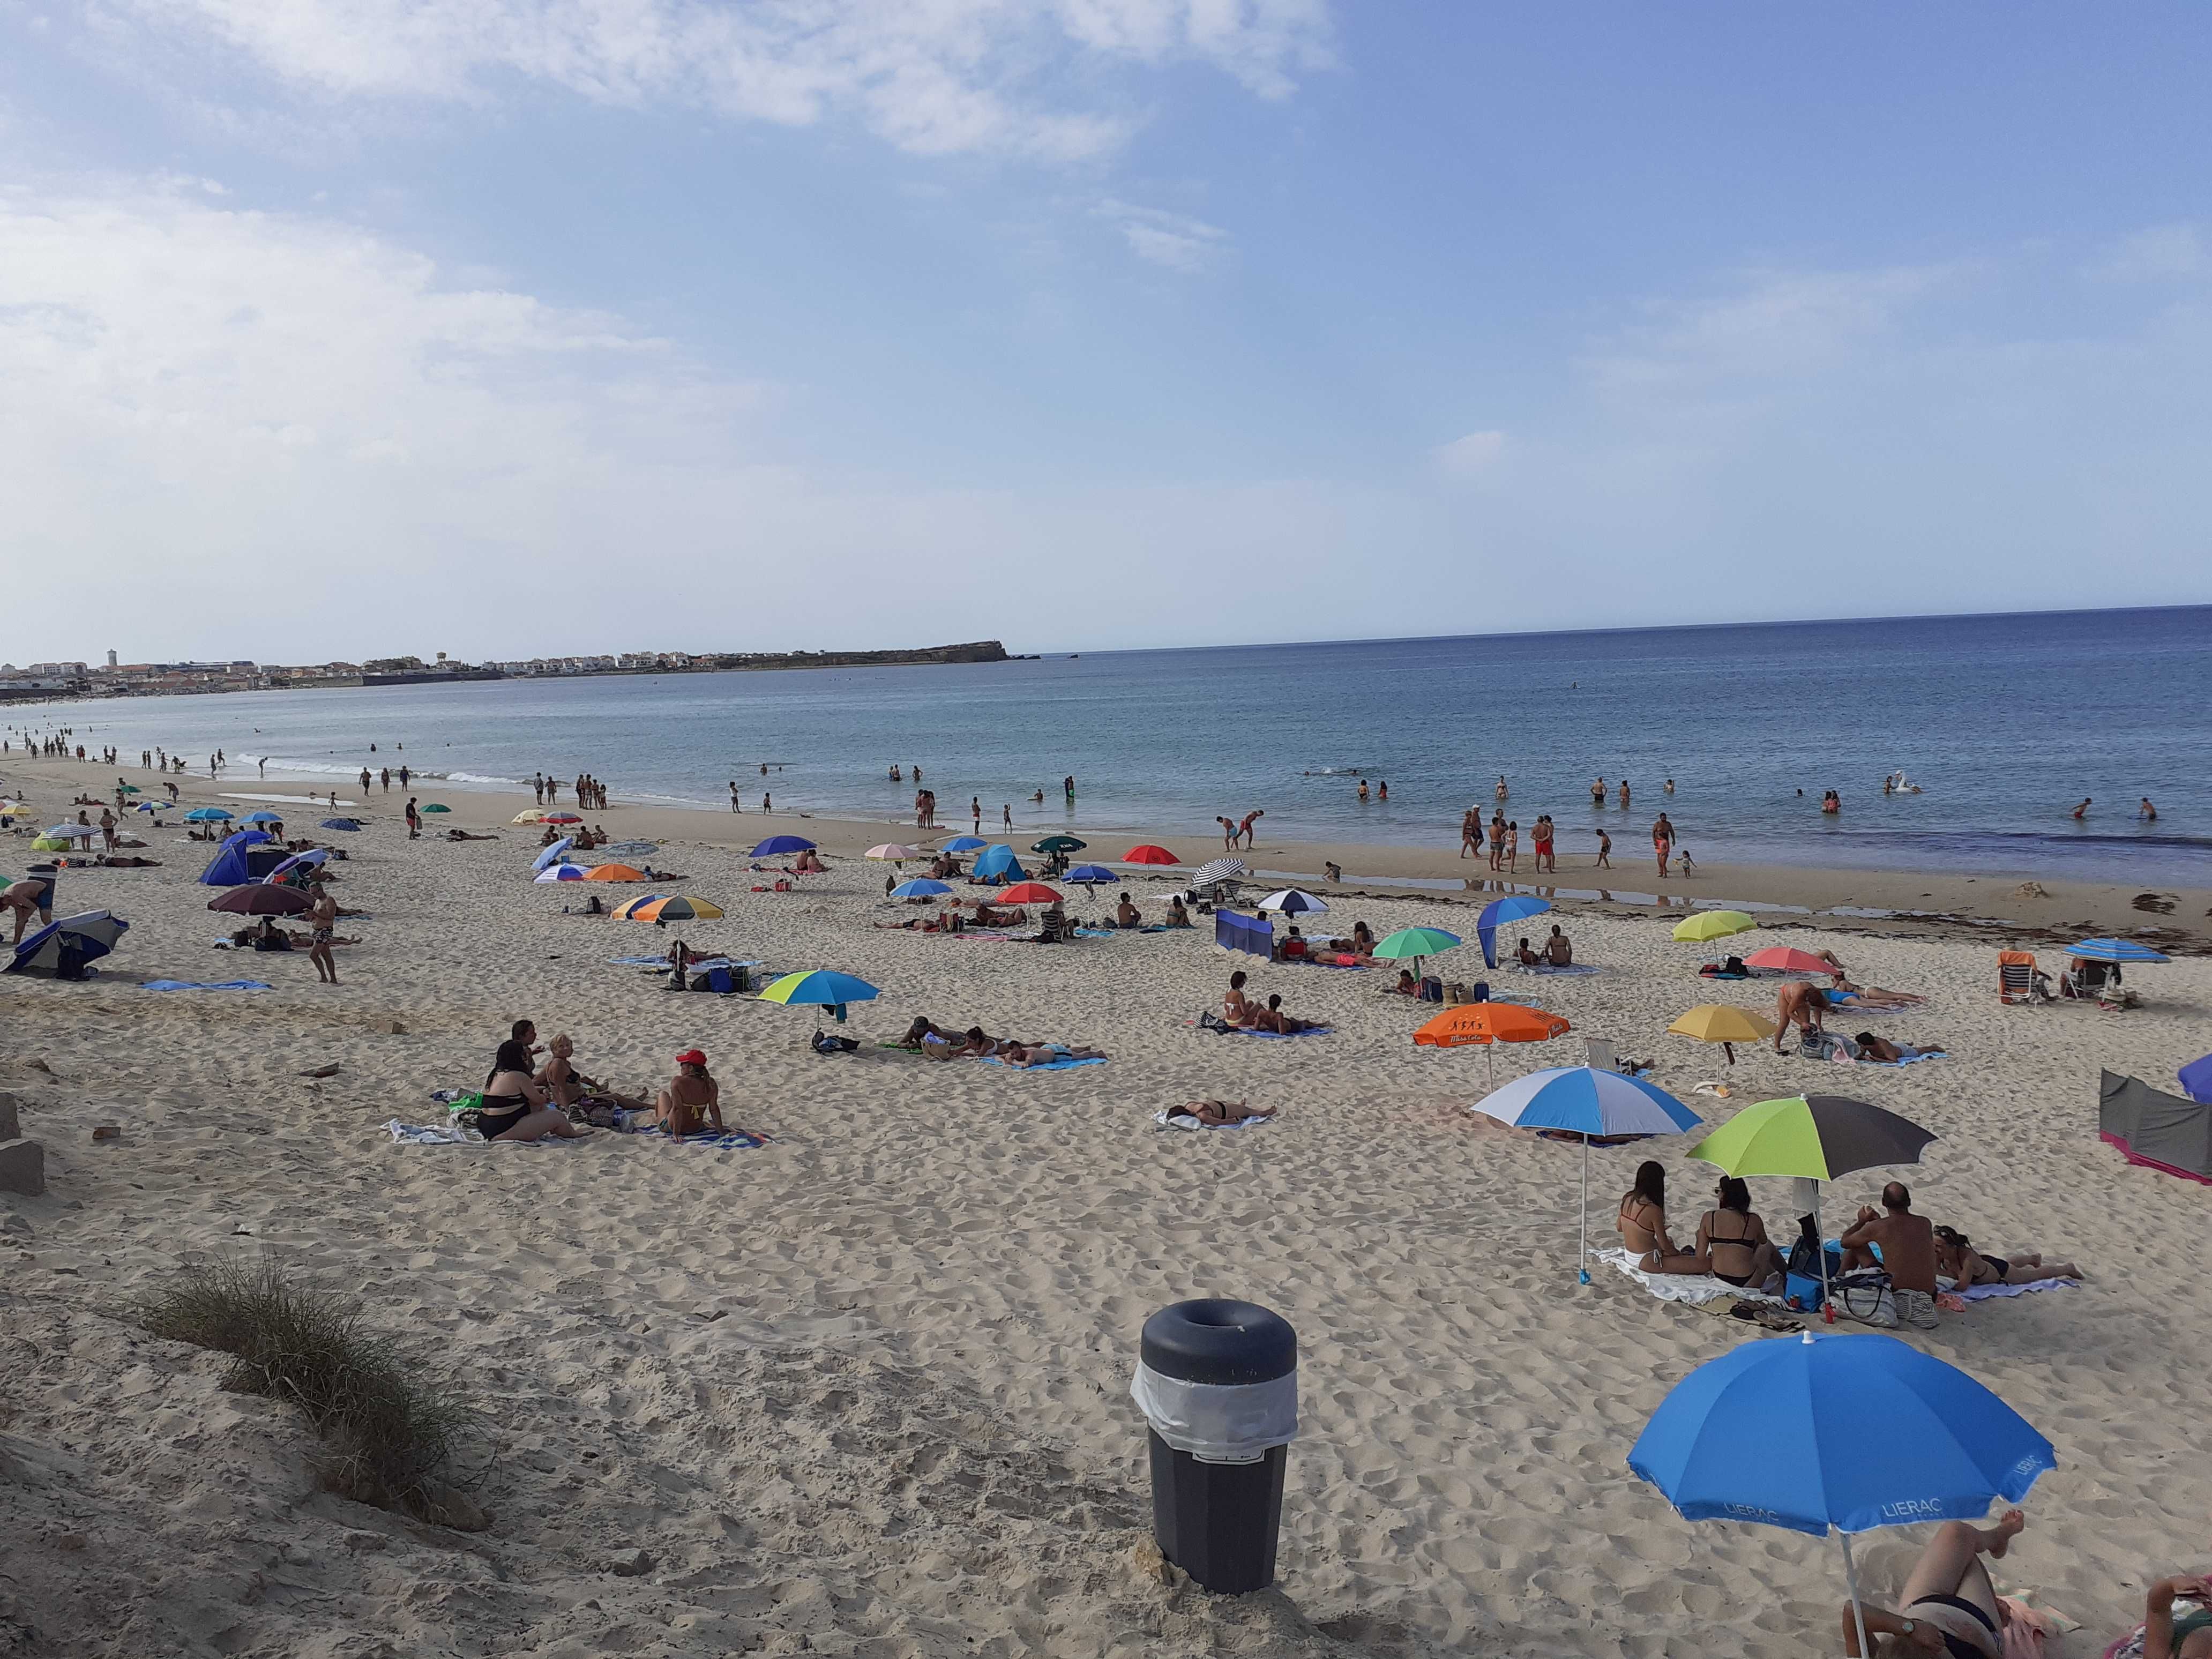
(1957, 1259)
(809, 863)
(1877, 996)
(1877, 1048)
(1236, 1008)
(1215, 1113)
(569, 1087)
(1642, 1221)
(1044, 1053)
(1949, 1606)
(514, 1108)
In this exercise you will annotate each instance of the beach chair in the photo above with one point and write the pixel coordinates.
(2019, 980)
(1597, 1055)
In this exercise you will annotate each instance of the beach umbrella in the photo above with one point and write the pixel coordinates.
(338, 824)
(1724, 1024)
(631, 849)
(1814, 1138)
(260, 899)
(1490, 1023)
(1292, 902)
(1418, 943)
(680, 908)
(556, 854)
(919, 887)
(52, 844)
(264, 817)
(312, 859)
(1499, 913)
(562, 873)
(1058, 844)
(1223, 869)
(1149, 853)
(552, 817)
(1711, 924)
(1584, 1101)
(440, 806)
(965, 843)
(1029, 892)
(71, 832)
(210, 815)
(820, 988)
(776, 845)
(893, 853)
(1852, 1432)
(1092, 875)
(247, 838)
(1788, 959)
(528, 815)
(65, 949)
(2100, 950)
(150, 806)
(615, 872)
(998, 860)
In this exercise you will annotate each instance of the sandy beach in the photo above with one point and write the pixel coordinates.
(864, 1390)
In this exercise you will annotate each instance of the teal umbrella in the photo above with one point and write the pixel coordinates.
(1417, 943)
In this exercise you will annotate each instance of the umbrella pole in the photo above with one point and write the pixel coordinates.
(1820, 1243)
(1582, 1261)
(1851, 1584)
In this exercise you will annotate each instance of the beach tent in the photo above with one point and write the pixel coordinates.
(2153, 1128)
(999, 861)
(1254, 935)
(1497, 913)
(65, 949)
(230, 868)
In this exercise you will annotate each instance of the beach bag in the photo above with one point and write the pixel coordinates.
(466, 1113)
(1455, 994)
(782, 885)
(1865, 1295)
(1432, 990)
(719, 981)
(825, 1043)
(1480, 993)
(1819, 1045)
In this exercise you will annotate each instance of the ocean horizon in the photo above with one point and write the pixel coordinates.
(2003, 722)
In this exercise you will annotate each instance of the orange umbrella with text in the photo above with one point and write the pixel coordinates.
(1490, 1023)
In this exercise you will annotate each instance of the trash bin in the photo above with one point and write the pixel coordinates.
(1217, 1382)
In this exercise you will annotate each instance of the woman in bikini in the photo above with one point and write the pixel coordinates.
(1733, 1242)
(690, 1102)
(1643, 1223)
(1236, 1008)
(1949, 1605)
(1215, 1113)
(2188, 1635)
(514, 1108)
(1957, 1259)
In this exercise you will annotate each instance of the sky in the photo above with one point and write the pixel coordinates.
(341, 328)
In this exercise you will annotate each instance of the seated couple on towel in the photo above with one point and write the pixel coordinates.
(1732, 1243)
(1559, 952)
(1240, 1010)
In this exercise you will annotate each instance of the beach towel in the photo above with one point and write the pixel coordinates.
(1063, 1064)
(1548, 968)
(1102, 933)
(1982, 1292)
(1842, 1056)
(206, 985)
(1682, 1287)
(430, 1134)
(721, 1140)
(1168, 1120)
(1280, 1036)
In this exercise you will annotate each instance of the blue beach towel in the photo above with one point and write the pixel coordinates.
(728, 1140)
(1063, 1064)
(207, 985)
(1284, 1036)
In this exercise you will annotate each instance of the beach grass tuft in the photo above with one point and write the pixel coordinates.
(398, 1434)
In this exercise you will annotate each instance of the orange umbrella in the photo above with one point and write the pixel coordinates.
(614, 873)
(1790, 961)
(1029, 892)
(1489, 1023)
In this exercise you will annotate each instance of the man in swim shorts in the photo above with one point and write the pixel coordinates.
(1907, 1243)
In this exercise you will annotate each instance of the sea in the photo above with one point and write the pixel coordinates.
(1999, 725)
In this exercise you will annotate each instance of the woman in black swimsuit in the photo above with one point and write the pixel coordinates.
(1949, 1607)
(1642, 1221)
(514, 1108)
(1733, 1240)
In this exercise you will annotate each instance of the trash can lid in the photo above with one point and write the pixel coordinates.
(1218, 1341)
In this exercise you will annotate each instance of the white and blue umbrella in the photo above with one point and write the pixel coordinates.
(2089, 950)
(312, 857)
(1519, 906)
(64, 949)
(1585, 1101)
(562, 873)
(1292, 902)
(555, 853)
(1853, 1432)
(78, 831)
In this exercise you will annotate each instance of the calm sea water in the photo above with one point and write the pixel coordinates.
(2006, 722)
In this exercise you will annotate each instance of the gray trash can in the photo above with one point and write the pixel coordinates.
(1218, 1382)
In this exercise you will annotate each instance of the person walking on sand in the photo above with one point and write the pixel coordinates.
(1662, 843)
(734, 806)
(323, 917)
(1604, 851)
(1470, 832)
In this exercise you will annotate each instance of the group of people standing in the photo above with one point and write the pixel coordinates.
(591, 793)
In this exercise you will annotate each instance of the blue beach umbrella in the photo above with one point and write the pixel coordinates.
(264, 817)
(339, 823)
(919, 887)
(999, 861)
(1500, 911)
(562, 873)
(63, 948)
(210, 815)
(1584, 1101)
(1853, 1432)
(965, 843)
(2115, 949)
(246, 838)
(555, 853)
(1091, 875)
(776, 845)
(820, 988)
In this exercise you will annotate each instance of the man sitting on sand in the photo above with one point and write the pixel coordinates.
(1526, 957)
(1957, 1260)
(1272, 1018)
(1908, 1254)
(1949, 1607)
(1126, 914)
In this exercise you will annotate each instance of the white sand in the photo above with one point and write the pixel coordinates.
(865, 1391)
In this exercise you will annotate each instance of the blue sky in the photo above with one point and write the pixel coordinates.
(510, 326)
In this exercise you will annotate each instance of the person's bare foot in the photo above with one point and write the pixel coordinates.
(2002, 1535)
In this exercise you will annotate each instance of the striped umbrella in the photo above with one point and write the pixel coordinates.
(555, 853)
(2115, 949)
(655, 906)
(562, 873)
(1292, 902)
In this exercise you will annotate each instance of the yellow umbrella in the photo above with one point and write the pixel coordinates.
(1724, 1024)
(528, 815)
(1713, 924)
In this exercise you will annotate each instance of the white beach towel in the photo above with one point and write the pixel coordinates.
(1681, 1287)
(1982, 1292)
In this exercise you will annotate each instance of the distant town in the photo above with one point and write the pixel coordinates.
(122, 679)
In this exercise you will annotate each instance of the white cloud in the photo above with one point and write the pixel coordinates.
(933, 76)
(1468, 456)
(1173, 240)
(2161, 253)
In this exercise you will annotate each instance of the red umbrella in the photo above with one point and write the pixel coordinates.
(261, 900)
(560, 817)
(1149, 854)
(1027, 892)
(1784, 959)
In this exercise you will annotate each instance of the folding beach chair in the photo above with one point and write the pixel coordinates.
(2018, 978)
(1597, 1053)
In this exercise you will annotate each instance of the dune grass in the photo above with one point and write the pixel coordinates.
(398, 1435)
